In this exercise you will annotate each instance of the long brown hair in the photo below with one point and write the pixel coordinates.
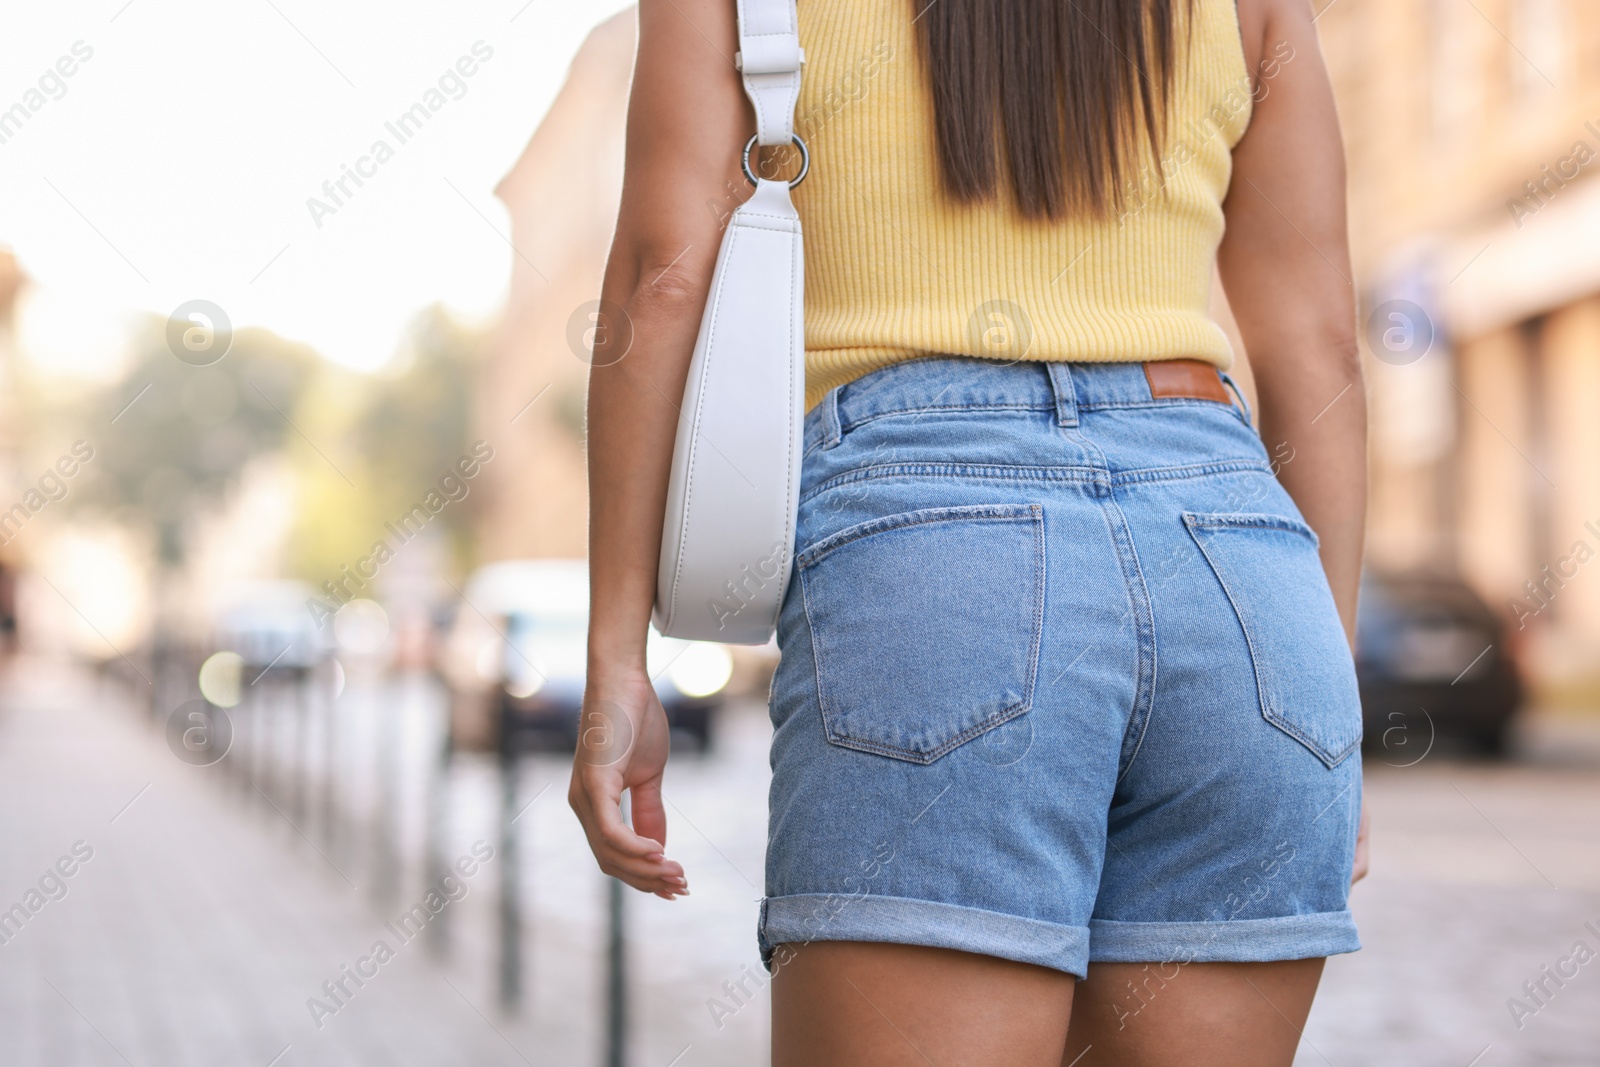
(1074, 84)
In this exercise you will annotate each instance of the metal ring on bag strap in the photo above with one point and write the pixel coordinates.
(805, 161)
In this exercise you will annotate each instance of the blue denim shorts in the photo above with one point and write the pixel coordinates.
(1061, 681)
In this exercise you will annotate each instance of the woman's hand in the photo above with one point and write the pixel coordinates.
(623, 744)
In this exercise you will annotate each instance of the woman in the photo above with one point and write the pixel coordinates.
(1065, 720)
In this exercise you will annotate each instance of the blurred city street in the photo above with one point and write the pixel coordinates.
(294, 535)
(203, 920)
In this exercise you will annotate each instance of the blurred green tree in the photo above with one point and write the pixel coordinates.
(398, 432)
(171, 438)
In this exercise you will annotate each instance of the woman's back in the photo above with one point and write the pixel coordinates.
(896, 268)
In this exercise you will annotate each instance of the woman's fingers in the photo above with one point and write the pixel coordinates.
(621, 852)
(646, 879)
(605, 806)
(651, 873)
(648, 811)
(662, 877)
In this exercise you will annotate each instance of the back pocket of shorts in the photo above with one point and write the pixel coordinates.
(926, 626)
(1269, 569)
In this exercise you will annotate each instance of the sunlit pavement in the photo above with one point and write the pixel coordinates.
(203, 921)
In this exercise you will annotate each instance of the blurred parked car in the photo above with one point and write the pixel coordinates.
(523, 625)
(1433, 660)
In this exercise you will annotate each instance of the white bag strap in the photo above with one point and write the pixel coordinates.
(769, 58)
(727, 542)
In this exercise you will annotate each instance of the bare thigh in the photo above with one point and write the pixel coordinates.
(849, 1003)
(1197, 1014)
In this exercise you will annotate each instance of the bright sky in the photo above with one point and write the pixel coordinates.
(176, 160)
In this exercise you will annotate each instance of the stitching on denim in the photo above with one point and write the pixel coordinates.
(1144, 636)
(1193, 470)
(1268, 708)
(1040, 588)
(969, 471)
(1014, 473)
(1251, 520)
(1022, 927)
(1082, 405)
(816, 655)
(1144, 631)
(1158, 402)
(1035, 515)
(815, 553)
(999, 718)
(846, 427)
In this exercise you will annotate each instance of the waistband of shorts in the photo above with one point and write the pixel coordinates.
(935, 384)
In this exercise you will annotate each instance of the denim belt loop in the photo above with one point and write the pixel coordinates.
(828, 413)
(1066, 394)
(1243, 403)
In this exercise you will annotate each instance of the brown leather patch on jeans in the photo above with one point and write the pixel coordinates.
(1194, 379)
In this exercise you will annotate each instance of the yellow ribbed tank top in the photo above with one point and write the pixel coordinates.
(896, 269)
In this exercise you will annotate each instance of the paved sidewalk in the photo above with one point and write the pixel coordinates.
(204, 920)
(197, 929)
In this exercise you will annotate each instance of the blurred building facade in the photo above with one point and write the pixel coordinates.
(11, 280)
(1473, 139)
(562, 196)
(10, 284)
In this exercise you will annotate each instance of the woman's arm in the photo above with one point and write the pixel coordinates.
(687, 119)
(1285, 264)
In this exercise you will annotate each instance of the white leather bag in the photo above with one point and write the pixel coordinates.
(728, 537)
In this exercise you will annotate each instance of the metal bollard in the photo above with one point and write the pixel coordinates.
(329, 797)
(438, 829)
(300, 682)
(385, 889)
(510, 883)
(616, 978)
(617, 964)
